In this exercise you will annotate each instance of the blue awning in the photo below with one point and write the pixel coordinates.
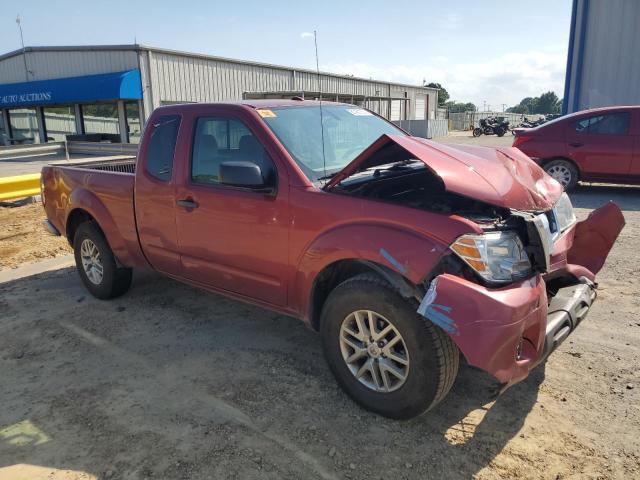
(90, 88)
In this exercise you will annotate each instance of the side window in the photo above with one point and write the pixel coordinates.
(218, 140)
(162, 146)
(610, 124)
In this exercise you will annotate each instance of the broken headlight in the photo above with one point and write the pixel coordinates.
(498, 257)
(564, 212)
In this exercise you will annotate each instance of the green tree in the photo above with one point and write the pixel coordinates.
(455, 107)
(443, 95)
(546, 103)
(549, 103)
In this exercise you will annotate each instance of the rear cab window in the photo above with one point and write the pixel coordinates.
(162, 146)
(607, 124)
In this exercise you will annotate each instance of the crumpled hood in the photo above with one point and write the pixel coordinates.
(504, 177)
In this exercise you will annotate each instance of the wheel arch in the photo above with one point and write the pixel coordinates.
(76, 217)
(339, 271)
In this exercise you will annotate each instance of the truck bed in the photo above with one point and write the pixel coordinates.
(104, 189)
(118, 166)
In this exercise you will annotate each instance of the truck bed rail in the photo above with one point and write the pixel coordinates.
(120, 166)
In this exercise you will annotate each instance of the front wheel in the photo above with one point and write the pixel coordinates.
(97, 265)
(383, 354)
(564, 172)
(500, 131)
(477, 132)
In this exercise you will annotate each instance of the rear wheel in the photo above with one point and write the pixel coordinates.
(383, 354)
(564, 172)
(97, 265)
(477, 132)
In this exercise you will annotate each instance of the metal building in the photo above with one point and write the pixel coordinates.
(104, 93)
(603, 65)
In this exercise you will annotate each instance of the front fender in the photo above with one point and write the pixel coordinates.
(405, 252)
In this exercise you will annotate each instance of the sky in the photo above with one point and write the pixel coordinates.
(490, 52)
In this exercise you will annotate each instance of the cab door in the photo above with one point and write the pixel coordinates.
(601, 145)
(635, 133)
(154, 196)
(232, 238)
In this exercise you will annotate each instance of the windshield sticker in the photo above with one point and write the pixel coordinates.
(264, 113)
(359, 112)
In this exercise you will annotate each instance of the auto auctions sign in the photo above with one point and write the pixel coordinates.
(25, 98)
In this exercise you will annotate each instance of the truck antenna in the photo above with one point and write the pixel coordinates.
(324, 159)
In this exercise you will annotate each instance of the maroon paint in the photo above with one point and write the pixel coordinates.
(598, 157)
(269, 249)
(502, 177)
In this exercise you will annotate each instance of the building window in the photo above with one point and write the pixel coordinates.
(101, 118)
(23, 125)
(134, 127)
(59, 122)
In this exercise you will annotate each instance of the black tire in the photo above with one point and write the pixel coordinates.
(500, 131)
(434, 358)
(477, 132)
(115, 280)
(572, 174)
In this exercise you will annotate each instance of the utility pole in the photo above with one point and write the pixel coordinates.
(24, 52)
(484, 105)
(503, 107)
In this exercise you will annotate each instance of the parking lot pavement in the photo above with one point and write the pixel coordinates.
(172, 382)
(465, 137)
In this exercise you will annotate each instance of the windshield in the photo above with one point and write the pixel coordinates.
(348, 130)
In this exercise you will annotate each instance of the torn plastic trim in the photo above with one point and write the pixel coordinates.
(405, 288)
(436, 313)
(395, 263)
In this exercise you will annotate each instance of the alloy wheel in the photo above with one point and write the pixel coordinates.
(374, 351)
(91, 262)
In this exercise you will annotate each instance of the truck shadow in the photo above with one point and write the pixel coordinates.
(595, 195)
(92, 376)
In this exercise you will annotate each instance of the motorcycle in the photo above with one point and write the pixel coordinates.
(491, 126)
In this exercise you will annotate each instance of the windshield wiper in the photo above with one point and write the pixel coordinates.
(328, 177)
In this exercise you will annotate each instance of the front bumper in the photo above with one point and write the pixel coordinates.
(507, 331)
(566, 310)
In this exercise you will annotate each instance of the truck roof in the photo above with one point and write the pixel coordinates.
(258, 103)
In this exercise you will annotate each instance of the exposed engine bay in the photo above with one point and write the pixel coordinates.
(410, 183)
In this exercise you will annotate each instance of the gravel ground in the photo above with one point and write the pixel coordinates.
(23, 239)
(171, 382)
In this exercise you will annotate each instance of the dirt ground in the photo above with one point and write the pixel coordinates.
(171, 382)
(23, 238)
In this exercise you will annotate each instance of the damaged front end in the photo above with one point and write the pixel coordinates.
(508, 329)
(510, 295)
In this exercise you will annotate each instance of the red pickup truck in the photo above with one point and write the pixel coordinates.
(405, 254)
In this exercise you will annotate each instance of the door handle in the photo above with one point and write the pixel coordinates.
(188, 203)
(576, 144)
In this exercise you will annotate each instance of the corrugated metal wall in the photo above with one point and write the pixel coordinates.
(45, 65)
(175, 77)
(609, 71)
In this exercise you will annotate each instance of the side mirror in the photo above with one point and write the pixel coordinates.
(241, 174)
